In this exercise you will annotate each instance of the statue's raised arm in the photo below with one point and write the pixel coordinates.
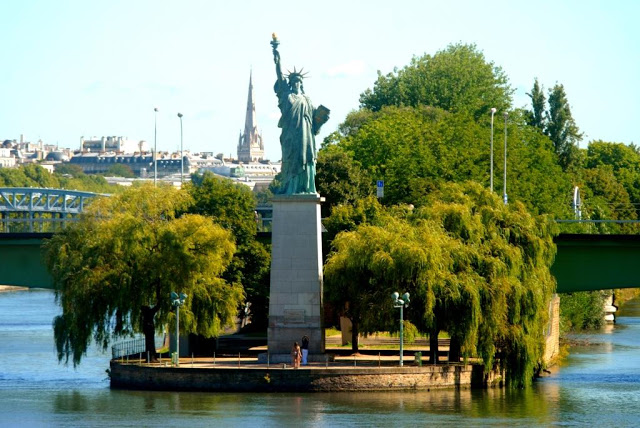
(276, 55)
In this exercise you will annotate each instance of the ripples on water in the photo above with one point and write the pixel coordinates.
(599, 385)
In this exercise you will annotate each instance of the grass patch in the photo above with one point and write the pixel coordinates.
(332, 331)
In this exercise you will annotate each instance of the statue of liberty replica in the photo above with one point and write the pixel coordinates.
(295, 305)
(300, 123)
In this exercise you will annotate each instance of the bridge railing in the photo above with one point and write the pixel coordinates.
(40, 210)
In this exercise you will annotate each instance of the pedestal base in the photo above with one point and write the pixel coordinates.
(295, 305)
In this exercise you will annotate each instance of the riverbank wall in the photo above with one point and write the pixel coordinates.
(283, 378)
(552, 339)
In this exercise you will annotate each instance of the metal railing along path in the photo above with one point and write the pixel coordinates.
(131, 347)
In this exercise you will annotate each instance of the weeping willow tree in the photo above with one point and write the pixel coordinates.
(115, 268)
(476, 269)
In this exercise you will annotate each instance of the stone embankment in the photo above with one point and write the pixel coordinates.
(5, 288)
(253, 377)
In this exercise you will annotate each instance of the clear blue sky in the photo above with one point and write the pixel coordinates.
(94, 68)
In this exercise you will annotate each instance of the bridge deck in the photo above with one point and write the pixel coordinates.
(583, 262)
(596, 262)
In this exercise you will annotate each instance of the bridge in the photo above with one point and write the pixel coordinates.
(36, 210)
(29, 215)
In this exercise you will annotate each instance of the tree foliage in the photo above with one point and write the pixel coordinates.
(582, 311)
(536, 116)
(120, 170)
(414, 150)
(115, 268)
(340, 179)
(624, 161)
(475, 268)
(561, 128)
(232, 206)
(32, 175)
(456, 79)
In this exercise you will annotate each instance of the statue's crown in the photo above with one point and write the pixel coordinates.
(296, 75)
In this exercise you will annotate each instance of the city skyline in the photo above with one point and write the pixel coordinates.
(74, 69)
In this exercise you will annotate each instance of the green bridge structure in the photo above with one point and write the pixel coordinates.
(28, 216)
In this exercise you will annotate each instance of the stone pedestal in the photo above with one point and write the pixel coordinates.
(295, 305)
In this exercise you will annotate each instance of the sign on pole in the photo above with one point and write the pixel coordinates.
(380, 189)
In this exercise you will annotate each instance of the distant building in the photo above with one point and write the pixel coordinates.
(112, 144)
(250, 145)
(140, 164)
(7, 160)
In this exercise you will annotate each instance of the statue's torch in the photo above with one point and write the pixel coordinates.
(274, 41)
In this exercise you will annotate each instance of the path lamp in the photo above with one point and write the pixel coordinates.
(401, 304)
(155, 145)
(504, 187)
(493, 111)
(177, 300)
(181, 153)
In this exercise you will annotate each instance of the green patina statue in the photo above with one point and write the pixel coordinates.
(300, 123)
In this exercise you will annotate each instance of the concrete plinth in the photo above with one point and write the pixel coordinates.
(295, 305)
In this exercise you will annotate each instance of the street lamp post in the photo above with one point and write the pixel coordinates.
(177, 300)
(401, 304)
(181, 153)
(493, 111)
(155, 145)
(504, 187)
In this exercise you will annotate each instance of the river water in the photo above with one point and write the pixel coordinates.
(598, 385)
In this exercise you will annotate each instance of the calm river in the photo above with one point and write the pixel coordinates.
(598, 386)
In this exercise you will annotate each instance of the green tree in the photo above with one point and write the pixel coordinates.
(120, 170)
(30, 175)
(66, 168)
(414, 150)
(356, 278)
(582, 311)
(561, 128)
(232, 206)
(605, 198)
(115, 268)
(536, 117)
(339, 179)
(475, 268)
(456, 79)
(624, 161)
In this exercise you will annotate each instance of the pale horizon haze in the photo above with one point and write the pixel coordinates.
(98, 68)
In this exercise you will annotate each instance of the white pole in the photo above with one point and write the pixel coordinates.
(493, 111)
(504, 189)
(181, 153)
(155, 145)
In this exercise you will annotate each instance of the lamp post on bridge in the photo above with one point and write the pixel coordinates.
(155, 145)
(181, 153)
(401, 304)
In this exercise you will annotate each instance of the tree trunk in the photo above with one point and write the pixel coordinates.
(354, 336)
(149, 331)
(454, 350)
(433, 345)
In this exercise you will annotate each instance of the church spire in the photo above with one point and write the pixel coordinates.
(250, 121)
(250, 146)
